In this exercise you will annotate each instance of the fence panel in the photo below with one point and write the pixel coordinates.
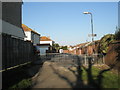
(15, 51)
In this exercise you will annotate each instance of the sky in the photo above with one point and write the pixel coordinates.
(65, 22)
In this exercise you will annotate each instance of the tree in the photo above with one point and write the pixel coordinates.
(56, 46)
(105, 41)
(64, 47)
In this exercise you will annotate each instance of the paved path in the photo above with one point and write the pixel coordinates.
(58, 72)
(64, 71)
(53, 75)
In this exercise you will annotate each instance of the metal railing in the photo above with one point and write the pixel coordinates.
(95, 59)
(70, 59)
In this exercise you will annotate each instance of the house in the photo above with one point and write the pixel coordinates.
(46, 40)
(45, 45)
(70, 48)
(31, 35)
(10, 19)
(88, 48)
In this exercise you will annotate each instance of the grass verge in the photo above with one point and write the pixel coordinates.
(25, 83)
(109, 79)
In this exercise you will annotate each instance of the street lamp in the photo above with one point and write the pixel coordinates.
(91, 23)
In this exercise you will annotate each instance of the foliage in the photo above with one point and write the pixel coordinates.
(117, 34)
(105, 41)
(56, 45)
(64, 47)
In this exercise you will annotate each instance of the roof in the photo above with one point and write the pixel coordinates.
(26, 28)
(82, 44)
(87, 43)
(44, 38)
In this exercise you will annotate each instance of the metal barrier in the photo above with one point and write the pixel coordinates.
(95, 59)
(73, 60)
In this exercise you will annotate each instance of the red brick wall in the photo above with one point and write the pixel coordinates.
(65, 51)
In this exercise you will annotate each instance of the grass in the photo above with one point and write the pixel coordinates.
(109, 79)
(25, 83)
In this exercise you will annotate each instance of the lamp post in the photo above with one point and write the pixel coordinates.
(91, 28)
(91, 23)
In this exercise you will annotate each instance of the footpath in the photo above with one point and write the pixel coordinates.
(54, 75)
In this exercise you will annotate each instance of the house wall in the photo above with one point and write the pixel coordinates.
(36, 39)
(11, 19)
(90, 50)
(43, 49)
(11, 13)
(11, 29)
(65, 51)
(78, 51)
(46, 42)
(28, 35)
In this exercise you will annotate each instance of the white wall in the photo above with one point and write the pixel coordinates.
(11, 29)
(28, 35)
(46, 42)
(32, 36)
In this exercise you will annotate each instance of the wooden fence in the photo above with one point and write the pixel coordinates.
(15, 51)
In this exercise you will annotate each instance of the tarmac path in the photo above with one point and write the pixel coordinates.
(59, 72)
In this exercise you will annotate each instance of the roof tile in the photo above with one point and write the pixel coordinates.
(44, 38)
(26, 28)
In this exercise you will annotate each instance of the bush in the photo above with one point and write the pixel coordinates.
(105, 41)
(64, 48)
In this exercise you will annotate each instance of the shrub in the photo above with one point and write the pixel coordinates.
(105, 41)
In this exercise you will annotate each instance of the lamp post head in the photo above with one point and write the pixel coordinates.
(86, 12)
